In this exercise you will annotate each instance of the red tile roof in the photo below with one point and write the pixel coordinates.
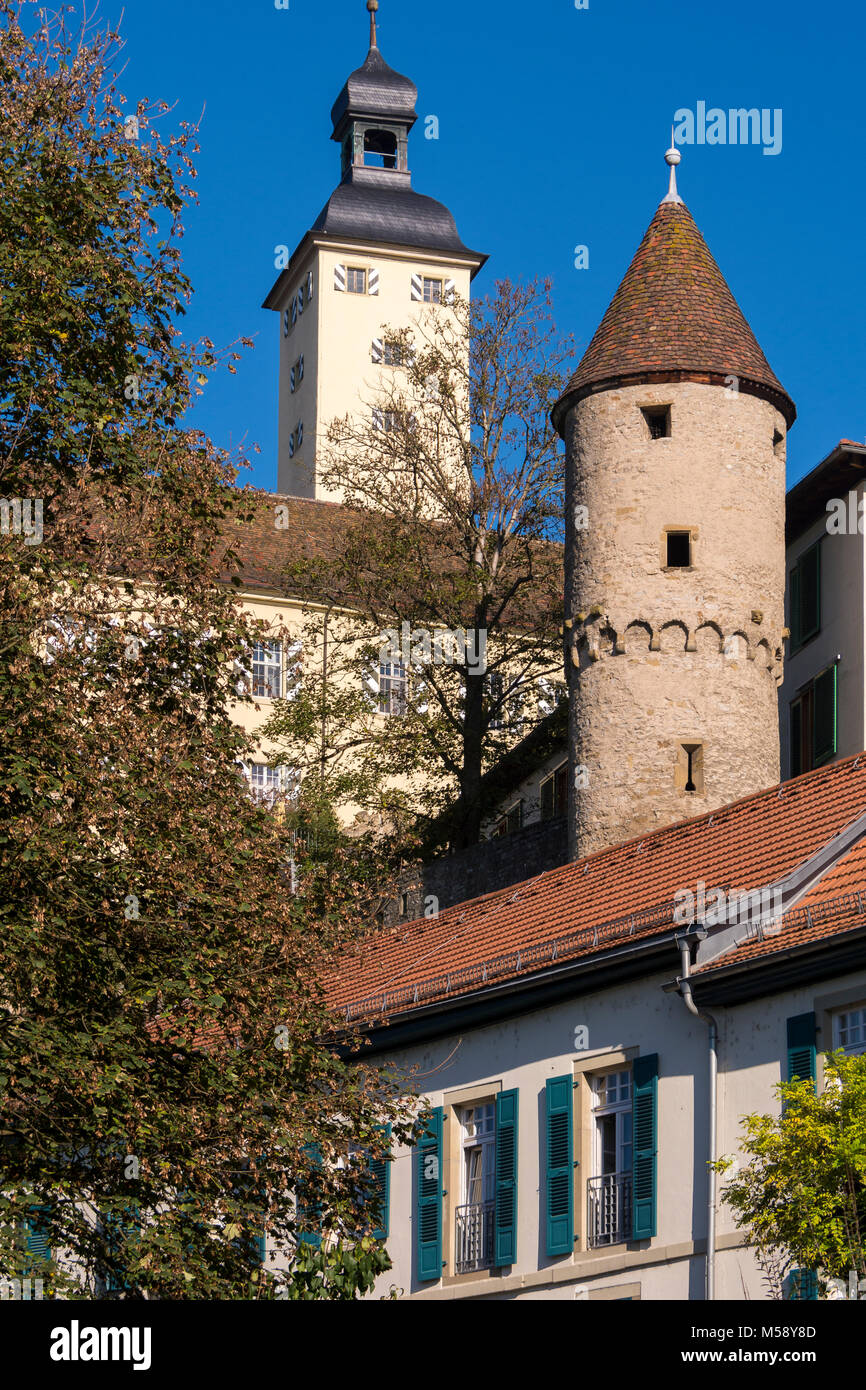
(623, 892)
(674, 318)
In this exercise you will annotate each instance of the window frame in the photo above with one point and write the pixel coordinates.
(799, 637)
(432, 280)
(353, 271)
(271, 660)
(850, 1049)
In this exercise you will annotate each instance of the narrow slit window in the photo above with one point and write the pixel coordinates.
(691, 768)
(658, 419)
(679, 549)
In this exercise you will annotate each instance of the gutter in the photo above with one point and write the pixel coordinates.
(685, 942)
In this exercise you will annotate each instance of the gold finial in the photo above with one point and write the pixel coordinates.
(372, 6)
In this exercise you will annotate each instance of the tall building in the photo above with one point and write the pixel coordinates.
(375, 255)
(675, 429)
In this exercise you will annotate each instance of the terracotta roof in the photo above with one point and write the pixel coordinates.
(673, 318)
(622, 893)
(306, 530)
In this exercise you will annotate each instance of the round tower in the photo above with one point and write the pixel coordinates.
(675, 430)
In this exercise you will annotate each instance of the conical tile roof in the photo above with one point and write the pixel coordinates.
(674, 318)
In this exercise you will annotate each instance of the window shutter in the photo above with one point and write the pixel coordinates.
(644, 1158)
(417, 287)
(373, 280)
(286, 324)
(300, 368)
(802, 1056)
(294, 310)
(309, 285)
(810, 592)
(292, 445)
(292, 378)
(505, 1216)
(339, 277)
(117, 1225)
(429, 1232)
(378, 419)
(560, 1165)
(300, 297)
(796, 639)
(36, 1241)
(309, 1214)
(802, 1283)
(449, 289)
(381, 1170)
(377, 350)
(824, 716)
(547, 798)
(300, 434)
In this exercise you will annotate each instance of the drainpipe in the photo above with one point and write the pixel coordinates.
(684, 942)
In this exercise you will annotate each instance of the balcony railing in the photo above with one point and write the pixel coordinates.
(609, 1209)
(474, 1237)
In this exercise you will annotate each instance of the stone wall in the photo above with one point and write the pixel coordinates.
(483, 868)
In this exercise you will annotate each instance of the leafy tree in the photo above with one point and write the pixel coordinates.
(452, 481)
(802, 1194)
(172, 1086)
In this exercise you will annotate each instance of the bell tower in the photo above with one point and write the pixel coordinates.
(675, 429)
(375, 255)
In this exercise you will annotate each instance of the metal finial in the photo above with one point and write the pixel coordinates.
(672, 159)
(372, 6)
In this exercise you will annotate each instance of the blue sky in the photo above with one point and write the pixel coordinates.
(553, 125)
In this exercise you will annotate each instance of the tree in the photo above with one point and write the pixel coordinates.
(452, 480)
(802, 1195)
(172, 1085)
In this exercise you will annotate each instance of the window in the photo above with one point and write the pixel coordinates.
(300, 434)
(475, 1214)
(678, 549)
(380, 149)
(610, 1187)
(813, 723)
(432, 291)
(392, 354)
(392, 687)
(554, 793)
(267, 667)
(388, 420)
(849, 1030)
(805, 597)
(356, 280)
(268, 784)
(297, 374)
(658, 420)
(511, 821)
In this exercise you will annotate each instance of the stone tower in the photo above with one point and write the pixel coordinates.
(675, 430)
(377, 254)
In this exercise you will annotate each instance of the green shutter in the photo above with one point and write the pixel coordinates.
(37, 1248)
(505, 1222)
(810, 592)
(310, 1213)
(429, 1225)
(802, 1283)
(802, 1061)
(560, 1165)
(644, 1154)
(824, 716)
(118, 1225)
(381, 1170)
(796, 639)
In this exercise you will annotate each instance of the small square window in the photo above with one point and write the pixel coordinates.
(356, 280)
(678, 548)
(658, 419)
(432, 291)
(849, 1030)
(392, 354)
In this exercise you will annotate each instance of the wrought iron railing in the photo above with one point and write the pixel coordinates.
(474, 1237)
(609, 1209)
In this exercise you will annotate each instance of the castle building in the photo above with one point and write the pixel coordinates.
(375, 256)
(675, 429)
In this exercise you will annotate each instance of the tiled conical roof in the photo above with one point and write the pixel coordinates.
(673, 318)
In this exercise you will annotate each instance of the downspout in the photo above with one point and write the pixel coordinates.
(685, 988)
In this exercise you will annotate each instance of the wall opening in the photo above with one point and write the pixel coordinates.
(678, 549)
(658, 420)
(380, 149)
(689, 772)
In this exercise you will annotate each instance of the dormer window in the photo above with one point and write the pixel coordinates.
(380, 149)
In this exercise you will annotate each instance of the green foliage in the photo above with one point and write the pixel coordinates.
(166, 1056)
(802, 1194)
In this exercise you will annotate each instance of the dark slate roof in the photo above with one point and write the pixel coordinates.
(379, 212)
(674, 318)
(376, 90)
